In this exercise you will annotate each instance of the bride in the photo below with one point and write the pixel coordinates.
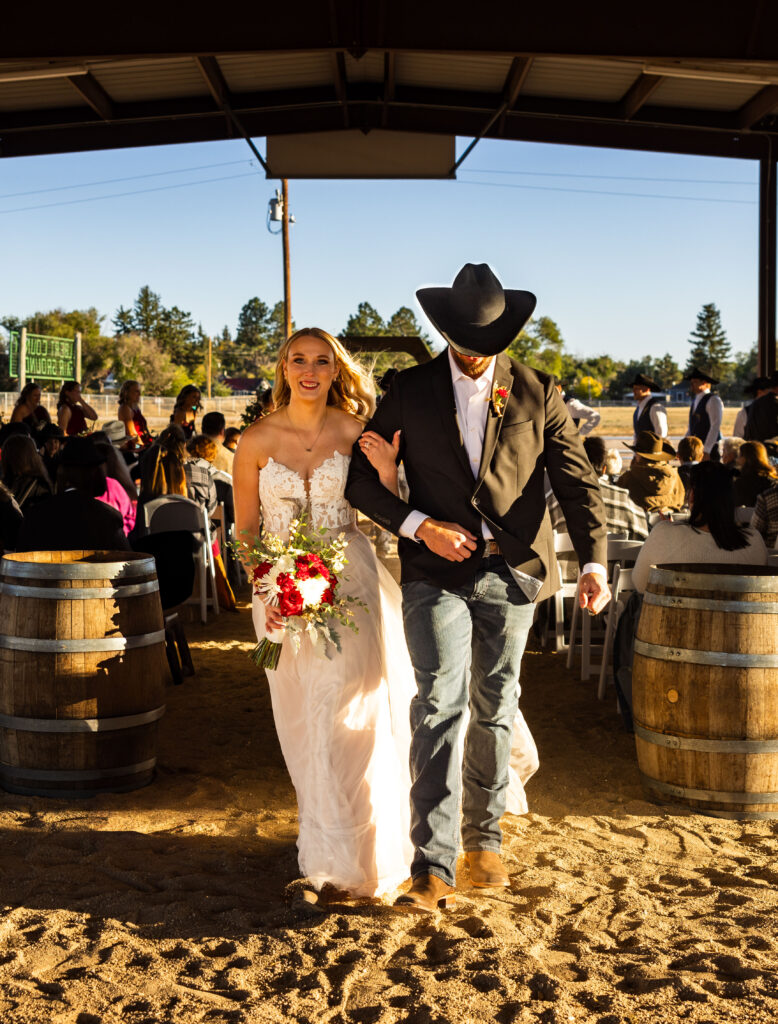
(343, 724)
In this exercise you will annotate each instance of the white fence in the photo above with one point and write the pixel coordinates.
(106, 406)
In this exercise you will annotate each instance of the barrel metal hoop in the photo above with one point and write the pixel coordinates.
(80, 724)
(12, 772)
(108, 643)
(742, 584)
(79, 594)
(715, 796)
(706, 746)
(703, 604)
(118, 570)
(724, 659)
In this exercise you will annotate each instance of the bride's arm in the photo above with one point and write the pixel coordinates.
(382, 456)
(245, 484)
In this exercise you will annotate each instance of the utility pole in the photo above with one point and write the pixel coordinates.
(285, 242)
(210, 358)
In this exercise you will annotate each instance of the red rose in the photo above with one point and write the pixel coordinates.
(326, 597)
(261, 570)
(290, 602)
(333, 580)
(502, 392)
(302, 568)
(286, 582)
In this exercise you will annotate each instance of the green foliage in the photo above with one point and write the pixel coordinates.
(260, 334)
(710, 348)
(541, 346)
(367, 322)
(137, 358)
(171, 328)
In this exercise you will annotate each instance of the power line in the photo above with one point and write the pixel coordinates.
(602, 192)
(133, 177)
(609, 177)
(119, 195)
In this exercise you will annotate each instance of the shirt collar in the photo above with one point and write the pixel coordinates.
(485, 380)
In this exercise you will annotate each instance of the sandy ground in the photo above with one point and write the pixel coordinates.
(178, 902)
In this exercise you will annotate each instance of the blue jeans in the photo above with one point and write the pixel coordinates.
(466, 646)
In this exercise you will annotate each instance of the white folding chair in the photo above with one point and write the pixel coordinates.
(563, 546)
(175, 512)
(621, 588)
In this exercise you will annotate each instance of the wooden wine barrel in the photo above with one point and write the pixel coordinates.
(82, 672)
(705, 689)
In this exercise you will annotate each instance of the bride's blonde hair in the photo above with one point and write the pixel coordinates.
(352, 390)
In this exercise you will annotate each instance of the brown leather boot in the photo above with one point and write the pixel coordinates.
(486, 870)
(427, 894)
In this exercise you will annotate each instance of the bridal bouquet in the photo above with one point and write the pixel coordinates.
(300, 578)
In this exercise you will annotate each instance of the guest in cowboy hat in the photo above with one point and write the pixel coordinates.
(650, 413)
(73, 518)
(652, 483)
(759, 386)
(762, 421)
(477, 433)
(705, 412)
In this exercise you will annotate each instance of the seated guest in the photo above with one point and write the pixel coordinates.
(755, 474)
(162, 470)
(115, 493)
(116, 466)
(50, 440)
(24, 473)
(690, 452)
(765, 518)
(135, 427)
(730, 446)
(73, 519)
(185, 410)
(613, 464)
(28, 408)
(73, 410)
(11, 519)
(199, 469)
(651, 482)
(231, 438)
(214, 427)
(711, 535)
(622, 515)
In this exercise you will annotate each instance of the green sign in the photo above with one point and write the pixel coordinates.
(47, 358)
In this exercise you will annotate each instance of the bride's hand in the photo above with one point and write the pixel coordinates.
(273, 618)
(381, 455)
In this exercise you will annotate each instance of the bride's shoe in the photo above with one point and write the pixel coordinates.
(427, 894)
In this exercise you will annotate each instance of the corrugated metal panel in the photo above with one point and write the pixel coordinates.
(574, 79)
(481, 74)
(256, 72)
(42, 95)
(136, 81)
(369, 68)
(702, 95)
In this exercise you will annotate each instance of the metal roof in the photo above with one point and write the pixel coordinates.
(682, 77)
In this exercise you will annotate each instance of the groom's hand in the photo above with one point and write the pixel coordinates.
(593, 592)
(449, 540)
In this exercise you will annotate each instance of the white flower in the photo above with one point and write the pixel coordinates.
(312, 590)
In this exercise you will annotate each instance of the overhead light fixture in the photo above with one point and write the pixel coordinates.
(39, 74)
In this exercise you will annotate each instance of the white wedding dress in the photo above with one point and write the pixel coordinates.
(343, 724)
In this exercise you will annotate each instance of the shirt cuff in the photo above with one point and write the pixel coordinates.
(596, 568)
(410, 525)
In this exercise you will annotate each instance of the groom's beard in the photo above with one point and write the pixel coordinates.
(471, 367)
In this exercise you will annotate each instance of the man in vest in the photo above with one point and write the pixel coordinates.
(650, 413)
(762, 420)
(705, 413)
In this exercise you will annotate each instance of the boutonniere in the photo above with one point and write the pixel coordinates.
(499, 398)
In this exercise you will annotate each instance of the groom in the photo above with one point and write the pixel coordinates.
(478, 431)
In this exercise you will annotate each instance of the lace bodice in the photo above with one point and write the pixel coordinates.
(283, 496)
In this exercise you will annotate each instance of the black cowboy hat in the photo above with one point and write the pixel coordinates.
(652, 447)
(696, 374)
(758, 384)
(49, 431)
(81, 451)
(641, 381)
(476, 315)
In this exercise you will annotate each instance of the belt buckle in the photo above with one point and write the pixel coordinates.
(492, 548)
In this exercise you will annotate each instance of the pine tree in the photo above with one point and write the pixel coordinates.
(710, 348)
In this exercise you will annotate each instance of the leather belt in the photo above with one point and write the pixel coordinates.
(492, 548)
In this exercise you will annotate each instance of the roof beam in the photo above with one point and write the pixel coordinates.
(341, 86)
(389, 74)
(765, 102)
(514, 81)
(214, 79)
(637, 94)
(95, 95)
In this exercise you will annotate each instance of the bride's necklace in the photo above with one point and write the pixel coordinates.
(299, 435)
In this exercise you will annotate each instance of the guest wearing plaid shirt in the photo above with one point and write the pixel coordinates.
(765, 518)
(621, 513)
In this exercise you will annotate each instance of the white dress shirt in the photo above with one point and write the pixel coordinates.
(587, 417)
(715, 411)
(472, 398)
(657, 414)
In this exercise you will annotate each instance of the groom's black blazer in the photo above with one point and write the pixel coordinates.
(533, 435)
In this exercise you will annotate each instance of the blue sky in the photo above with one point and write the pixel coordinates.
(621, 273)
